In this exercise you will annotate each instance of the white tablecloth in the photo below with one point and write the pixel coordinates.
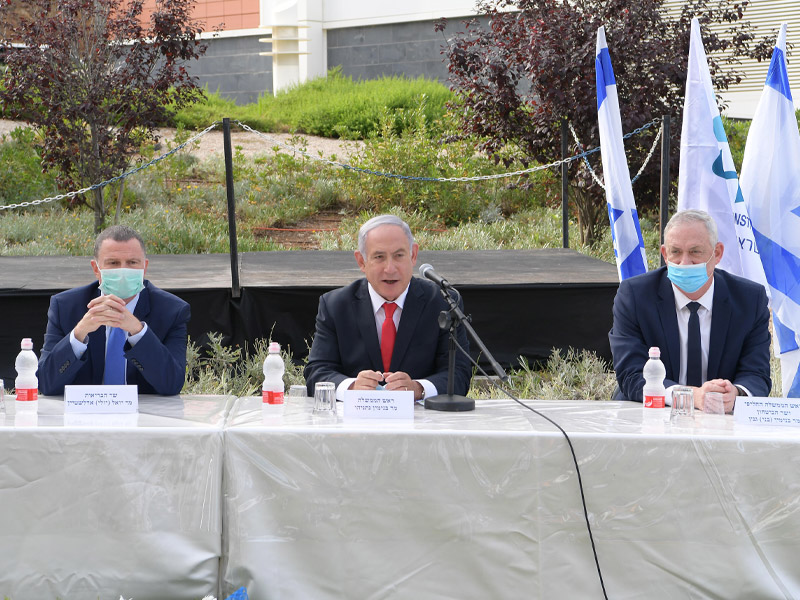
(110, 505)
(486, 505)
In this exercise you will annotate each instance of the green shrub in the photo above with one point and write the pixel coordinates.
(736, 130)
(330, 106)
(200, 115)
(21, 176)
(425, 150)
(217, 368)
(574, 375)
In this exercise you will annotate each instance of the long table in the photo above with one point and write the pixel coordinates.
(486, 505)
(98, 506)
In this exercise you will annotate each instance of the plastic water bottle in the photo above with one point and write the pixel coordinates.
(26, 383)
(272, 390)
(654, 372)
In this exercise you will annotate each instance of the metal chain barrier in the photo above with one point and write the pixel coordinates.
(593, 173)
(582, 155)
(349, 167)
(113, 179)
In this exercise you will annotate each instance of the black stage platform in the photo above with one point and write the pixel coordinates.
(522, 302)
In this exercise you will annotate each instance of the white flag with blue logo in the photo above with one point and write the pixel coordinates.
(625, 229)
(707, 177)
(771, 187)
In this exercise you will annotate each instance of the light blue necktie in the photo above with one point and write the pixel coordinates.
(114, 373)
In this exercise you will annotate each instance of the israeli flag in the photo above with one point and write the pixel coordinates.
(625, 229)
(707, 178)
(771, 187)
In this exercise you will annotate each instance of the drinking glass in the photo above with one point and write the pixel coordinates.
(682, 403)
(714, 403)
(298, 391)
(325, 397)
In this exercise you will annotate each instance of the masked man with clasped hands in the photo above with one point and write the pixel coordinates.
(712, 327)
(118, 330)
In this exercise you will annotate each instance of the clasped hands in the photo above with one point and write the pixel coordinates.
(723, 386)
(109, 311)
(370, 380)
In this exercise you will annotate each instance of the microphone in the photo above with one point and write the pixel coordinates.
(427, 272)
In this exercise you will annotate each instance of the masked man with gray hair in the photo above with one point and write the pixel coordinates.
(383, 330)
(118, 330)
(712, 327)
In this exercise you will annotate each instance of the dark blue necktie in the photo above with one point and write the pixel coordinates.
(114, 373)
(694, 356)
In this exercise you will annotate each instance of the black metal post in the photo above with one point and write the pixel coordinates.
(664, 209)
(564, 187)
(234, 246)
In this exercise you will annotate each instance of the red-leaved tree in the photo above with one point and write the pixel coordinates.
(96, 79)
(534, 65)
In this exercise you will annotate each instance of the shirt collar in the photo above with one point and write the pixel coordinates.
(706, 300)
(378, 300)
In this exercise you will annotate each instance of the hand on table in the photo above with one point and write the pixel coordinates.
(723, 386)
(369, 380)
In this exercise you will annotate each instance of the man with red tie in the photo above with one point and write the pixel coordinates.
(383, 330)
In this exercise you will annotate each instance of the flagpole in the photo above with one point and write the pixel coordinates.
(664, 210)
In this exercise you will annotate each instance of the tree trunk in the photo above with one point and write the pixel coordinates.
(99, 210)
(119, 201)
(591, 210)
(94, 170)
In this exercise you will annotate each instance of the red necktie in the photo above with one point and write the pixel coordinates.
(388, 333)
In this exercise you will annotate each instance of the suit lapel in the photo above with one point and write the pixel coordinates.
(365, 318)
(142, 309)
(412, 310)
(669, 325)
(720, 320)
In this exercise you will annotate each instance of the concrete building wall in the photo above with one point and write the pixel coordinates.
(233, 65)
(766, 17)
(367, 52)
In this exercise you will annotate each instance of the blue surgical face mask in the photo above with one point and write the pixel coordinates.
(123, 283)
(688, 278)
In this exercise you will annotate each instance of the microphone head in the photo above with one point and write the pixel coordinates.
(424, 268)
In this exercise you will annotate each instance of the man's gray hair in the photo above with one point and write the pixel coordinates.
(118, 233)
(692, 215)
(377, 222)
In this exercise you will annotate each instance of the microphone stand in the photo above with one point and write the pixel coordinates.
(450, 320)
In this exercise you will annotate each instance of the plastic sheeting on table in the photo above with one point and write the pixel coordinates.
(486, 505)
(110, 505)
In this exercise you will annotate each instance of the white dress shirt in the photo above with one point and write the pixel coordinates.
(706, 302)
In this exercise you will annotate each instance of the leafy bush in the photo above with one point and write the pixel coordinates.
(331, 106)
(736, 130)
(424, 150)
(576, 375)
(218, 368)
(21, 177)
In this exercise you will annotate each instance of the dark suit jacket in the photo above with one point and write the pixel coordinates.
(346, 338)
(157, 363)
(645, 316)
